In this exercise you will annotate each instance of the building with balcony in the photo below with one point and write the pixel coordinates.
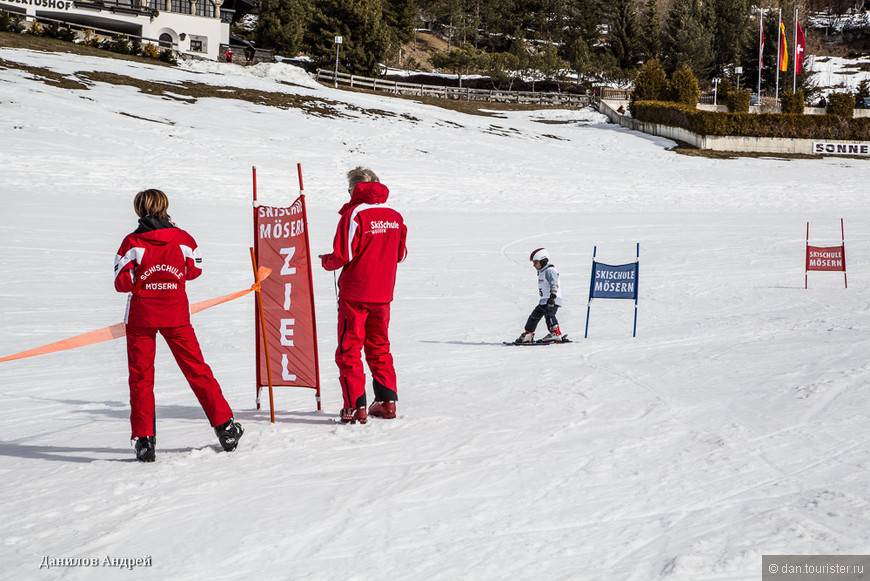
(192, 27)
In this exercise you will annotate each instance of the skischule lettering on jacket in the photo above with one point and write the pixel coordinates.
(176, 272)
(381, 226)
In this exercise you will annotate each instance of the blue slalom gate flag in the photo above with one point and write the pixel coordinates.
(614, 282)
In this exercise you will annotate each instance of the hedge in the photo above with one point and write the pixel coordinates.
(738, 101)
(791, 126)
(794, 102)
(841, 104)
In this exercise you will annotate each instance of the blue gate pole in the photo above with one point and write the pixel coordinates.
(636, 282)
(589, 303)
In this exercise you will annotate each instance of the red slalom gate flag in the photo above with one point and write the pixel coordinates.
(288, 355)
(799, 48)
(829, 258)
(826, 258)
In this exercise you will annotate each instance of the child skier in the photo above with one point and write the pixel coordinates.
(153, 264)
(551, 299)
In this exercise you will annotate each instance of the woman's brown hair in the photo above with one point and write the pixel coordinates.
(152, 203)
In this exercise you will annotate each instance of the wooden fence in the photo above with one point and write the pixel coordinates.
(456, 93)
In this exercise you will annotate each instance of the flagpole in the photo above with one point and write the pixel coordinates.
(310, 286)
(760, 49)
(636, 282)
(843, 242)
(591, 285)
(794, 73)
(796, 53)
(265, 346)
(778, 57)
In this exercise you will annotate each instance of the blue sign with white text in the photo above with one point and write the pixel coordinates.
(614, 282)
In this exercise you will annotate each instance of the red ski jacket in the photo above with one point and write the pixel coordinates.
(369, 243)
(153, 266)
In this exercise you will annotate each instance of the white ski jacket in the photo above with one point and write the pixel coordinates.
(548, 283)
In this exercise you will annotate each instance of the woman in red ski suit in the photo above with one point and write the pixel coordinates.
(369, 243)
(153, 265)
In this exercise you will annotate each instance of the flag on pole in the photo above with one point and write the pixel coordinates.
(783, 49)
(287, 298)
(800, 46)
(614, 282)
(831, 258)
(761, 42)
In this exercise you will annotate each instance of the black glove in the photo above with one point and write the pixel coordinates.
(551, 302)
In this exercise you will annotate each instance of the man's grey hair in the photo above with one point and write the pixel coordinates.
(360, 174)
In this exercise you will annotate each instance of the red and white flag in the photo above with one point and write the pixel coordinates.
(799, 48)
(281, 243)
(761, 41)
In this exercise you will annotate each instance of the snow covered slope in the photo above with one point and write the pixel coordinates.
(734, 425)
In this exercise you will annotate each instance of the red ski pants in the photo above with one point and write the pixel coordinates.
(364, 326)
(141, 345)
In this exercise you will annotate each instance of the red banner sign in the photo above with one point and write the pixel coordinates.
(829, 258)
(281, 243)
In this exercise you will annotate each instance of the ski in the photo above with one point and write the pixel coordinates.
(565, 339)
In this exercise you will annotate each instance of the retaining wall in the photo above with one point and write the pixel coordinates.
(772, 145)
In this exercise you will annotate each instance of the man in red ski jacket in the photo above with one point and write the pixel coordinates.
(153, 265)
(369, 243)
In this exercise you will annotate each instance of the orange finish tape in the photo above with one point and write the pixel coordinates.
(119, 329)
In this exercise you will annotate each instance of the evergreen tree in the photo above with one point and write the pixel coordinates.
(282, 25)
(520, 49)
(623, 37)
(683, 87)
(458, 19)
(688, 38)
(581, 37)
(360, 23)
(461, 61)
(500, 67)
(651, 84)
(551, 64)
(543, 18)
(497, 22)
(400, 16)
(733, 29)
(580, 20)
(580, 57)
(651, 42)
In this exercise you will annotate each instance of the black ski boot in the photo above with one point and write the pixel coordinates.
(229, 434)
(145, 448)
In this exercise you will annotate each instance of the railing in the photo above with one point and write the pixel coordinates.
(118, 7)
(99, 31)
(611, 94)
(456, 93)
(245, 55)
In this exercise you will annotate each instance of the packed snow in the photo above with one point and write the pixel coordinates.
(733, 426)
